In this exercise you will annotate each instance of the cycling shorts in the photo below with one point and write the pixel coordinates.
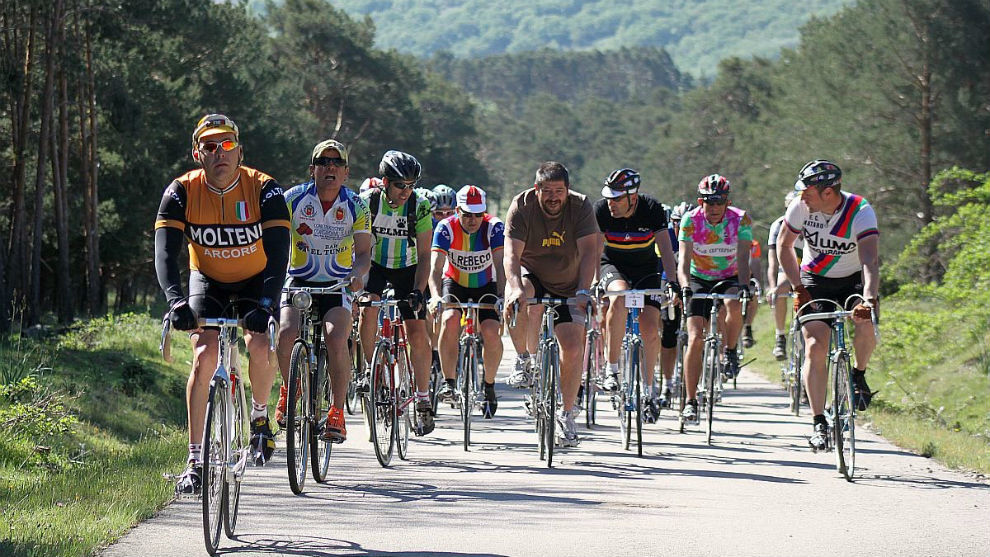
(453, 292)
(402, 280)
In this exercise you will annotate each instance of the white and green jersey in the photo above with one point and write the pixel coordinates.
(393, 231)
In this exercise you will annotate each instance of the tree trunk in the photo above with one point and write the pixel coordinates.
(60, 171)
(35, 308)
(94, 286)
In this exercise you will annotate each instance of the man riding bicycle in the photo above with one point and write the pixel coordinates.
(401, 230)
(715, 240)
(331, 243)
(839, 260)
(551, 252)
(236, 223)
(467, 266)
(634, 226)
(777, 283)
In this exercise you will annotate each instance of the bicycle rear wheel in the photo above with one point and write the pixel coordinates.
(381, 405)
(240, 443)
(353, 401)
(320, 397)
(214, 475)
(795, 359)
(844, 430)
(436, 381)
(593, 359)
(405, 404)
(710, 370)
(297, 417)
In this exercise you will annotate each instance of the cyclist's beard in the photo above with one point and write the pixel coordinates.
(552, 208)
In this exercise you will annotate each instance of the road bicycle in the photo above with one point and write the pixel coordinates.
(469, 394)
(628, 401)
(712, 366)
(226, 433)
(353, 401)
(791, 369)
(391, 394)
(310, 389)
(840, 410)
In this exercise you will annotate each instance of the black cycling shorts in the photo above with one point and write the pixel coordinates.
(702, 308)
(563, 312)
(835, 289)
(668, 336)
(636, 278)
(487, 294)
(212, 299)
(402, 280)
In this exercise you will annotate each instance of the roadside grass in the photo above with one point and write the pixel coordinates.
(90, 419)
(931, 368)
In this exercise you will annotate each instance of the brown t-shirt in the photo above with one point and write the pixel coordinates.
(551, 251)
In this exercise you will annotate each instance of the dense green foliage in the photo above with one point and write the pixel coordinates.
(697, 33)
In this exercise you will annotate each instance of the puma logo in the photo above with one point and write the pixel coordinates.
(556, 239)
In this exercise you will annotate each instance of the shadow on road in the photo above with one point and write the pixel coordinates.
(316, 546)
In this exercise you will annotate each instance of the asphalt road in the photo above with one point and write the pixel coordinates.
(757, 491)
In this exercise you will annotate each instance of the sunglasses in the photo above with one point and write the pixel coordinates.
(329, 161)
(403, 185)
(213, 146)
(716, 199)
(472, 215)
(443, 212)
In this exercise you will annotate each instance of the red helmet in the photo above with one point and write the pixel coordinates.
(714, 186)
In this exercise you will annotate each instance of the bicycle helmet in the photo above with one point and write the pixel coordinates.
(678, 212)
(427, 194)
(623, 181)
(713, 185)
(445, 196)
(399, 166)
(820, 173)
(370, 183)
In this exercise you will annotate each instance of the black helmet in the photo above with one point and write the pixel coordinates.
(621, 182)
(821, 173)
(399, 166)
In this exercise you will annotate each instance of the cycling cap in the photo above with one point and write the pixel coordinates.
(213, 124)
(426, 194)
(713, 186)
(444, 195)
(821, 173)
(329, 144)
(400, 166)
(471, 199)
(621, 182)
(370, 183)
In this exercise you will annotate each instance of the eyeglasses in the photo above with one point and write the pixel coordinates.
(329, 161)
(212, 146)
(403, 185)
(443, 212)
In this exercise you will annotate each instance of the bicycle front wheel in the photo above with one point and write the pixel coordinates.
(844, 425)
(353, 401)
(466, 365)
(550, 401)
(711, 371)
(381, 405)
(637, 364)
(679, 380)
(593, 359)
(405, 404)
(215, 457)
(297, 417)
(240, 442)
(320, 397)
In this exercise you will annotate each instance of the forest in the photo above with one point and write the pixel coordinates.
(100, 99)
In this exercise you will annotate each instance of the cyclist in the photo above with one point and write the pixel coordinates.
(467, 250)
(634, 226)
(369, 184)
(839, 259)
(756, 272)
(331, 242)
(777, 283)
(715, 239)
(235, 220)
(551, 251)
(401, 233)
(443, 202)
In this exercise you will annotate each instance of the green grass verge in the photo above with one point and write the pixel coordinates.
(931, 368)
(84, 443)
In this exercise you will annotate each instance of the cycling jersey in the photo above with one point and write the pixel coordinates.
(323, 239)
(775, 229)
(831, 242)
(715, 245)
(469, 256)
(630, 241)
(390, 229)
(224, 227)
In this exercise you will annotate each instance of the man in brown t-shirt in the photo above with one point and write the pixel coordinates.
(551, 250)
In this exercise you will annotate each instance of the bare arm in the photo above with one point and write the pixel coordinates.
(742, 262)
(437, 263)
(512, 262)
(424, 240)
(787, 257)
(686, 251)
(868, 248)
(589, 248)
(499, 272)
(362, 260)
